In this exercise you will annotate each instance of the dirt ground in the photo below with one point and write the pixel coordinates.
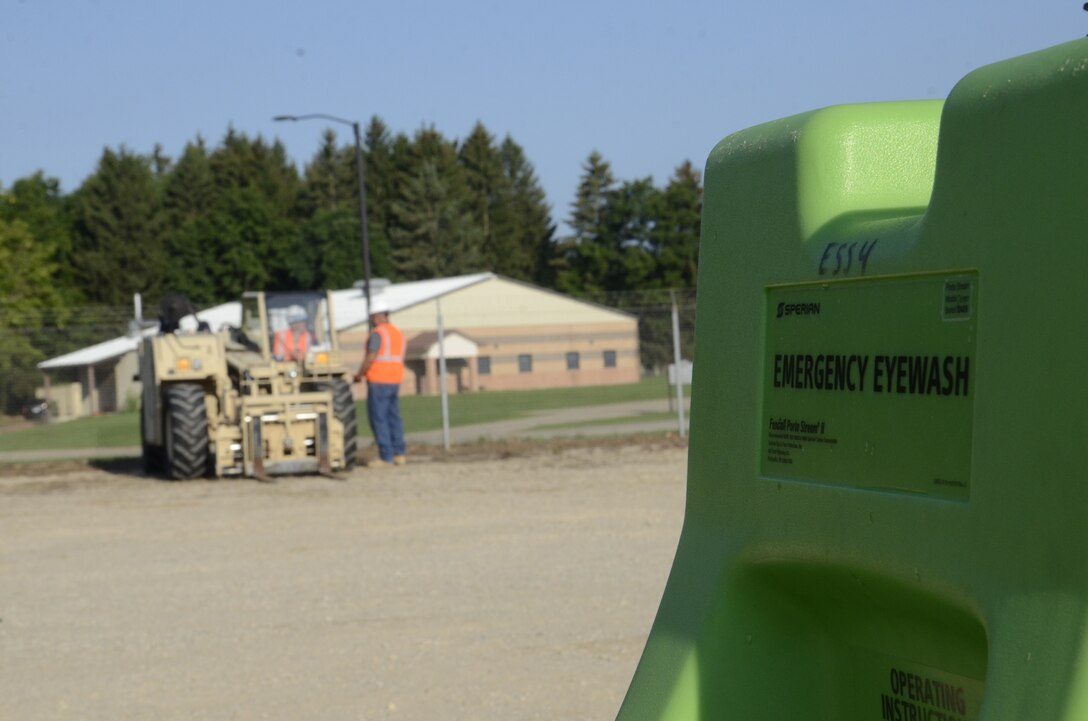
(503, 581)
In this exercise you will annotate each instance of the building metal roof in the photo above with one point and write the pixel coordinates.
(349, 309)
(349, 306)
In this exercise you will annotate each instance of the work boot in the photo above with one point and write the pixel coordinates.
(399, 460)
(379, 463)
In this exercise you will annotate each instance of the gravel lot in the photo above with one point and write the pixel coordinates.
(474, 587)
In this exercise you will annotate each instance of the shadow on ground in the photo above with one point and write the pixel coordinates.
(417, 453)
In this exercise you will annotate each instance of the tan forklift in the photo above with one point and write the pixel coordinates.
(265, 398)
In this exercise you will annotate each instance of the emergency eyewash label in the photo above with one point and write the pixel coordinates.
(870, 383)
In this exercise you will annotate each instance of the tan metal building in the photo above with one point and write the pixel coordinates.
(503, 334)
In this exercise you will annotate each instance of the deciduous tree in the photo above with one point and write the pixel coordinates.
(29, 295)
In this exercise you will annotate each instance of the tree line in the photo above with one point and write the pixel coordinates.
(216, 221)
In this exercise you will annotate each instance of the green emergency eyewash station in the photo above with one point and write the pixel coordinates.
(887, 499)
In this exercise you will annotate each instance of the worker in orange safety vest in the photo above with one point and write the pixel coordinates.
(383, 368)
(292, 342)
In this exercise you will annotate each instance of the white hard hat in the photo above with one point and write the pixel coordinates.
(378, 305)
(296, 314)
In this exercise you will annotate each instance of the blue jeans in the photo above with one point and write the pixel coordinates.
(383, 412)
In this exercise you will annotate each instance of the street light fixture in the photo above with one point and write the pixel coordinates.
(362, 188)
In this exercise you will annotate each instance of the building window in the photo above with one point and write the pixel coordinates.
(525, 363)
(610, 359)
(573, 362)
(483, 365)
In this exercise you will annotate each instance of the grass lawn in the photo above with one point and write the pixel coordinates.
(108, 431)
(641, 418)
(421, 413)
(424, 413)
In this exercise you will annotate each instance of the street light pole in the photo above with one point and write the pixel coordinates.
(362, 215)
(362, 188)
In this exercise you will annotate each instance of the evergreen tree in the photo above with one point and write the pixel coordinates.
(330, 243)
(256, 205)
(434, 235)
(584, 260)
(526, 218)
(381, 183)
(676, 239)
(634, 237)
(189, 196)
(631, 235)
(404, 168)
(332, 238)
(329, 180)
(240, 162)
(587, 212)
(432, 231)
(189, 189)
(487, 198)
(160, 162)
(118, 241)
(193, 262)
(328, 203)
(676, 233)
(630, 216)
(239, 232)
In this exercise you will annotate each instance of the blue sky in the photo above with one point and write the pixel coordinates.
(648, 84)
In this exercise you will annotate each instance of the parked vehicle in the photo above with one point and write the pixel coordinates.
(36, 411)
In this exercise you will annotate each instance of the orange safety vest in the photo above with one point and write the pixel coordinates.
(388, 367)
(287, 348)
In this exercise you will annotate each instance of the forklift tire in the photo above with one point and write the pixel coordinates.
(343, 406)
(152, 454)
(185, 429)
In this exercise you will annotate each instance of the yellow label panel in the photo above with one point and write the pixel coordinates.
(870, 383)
